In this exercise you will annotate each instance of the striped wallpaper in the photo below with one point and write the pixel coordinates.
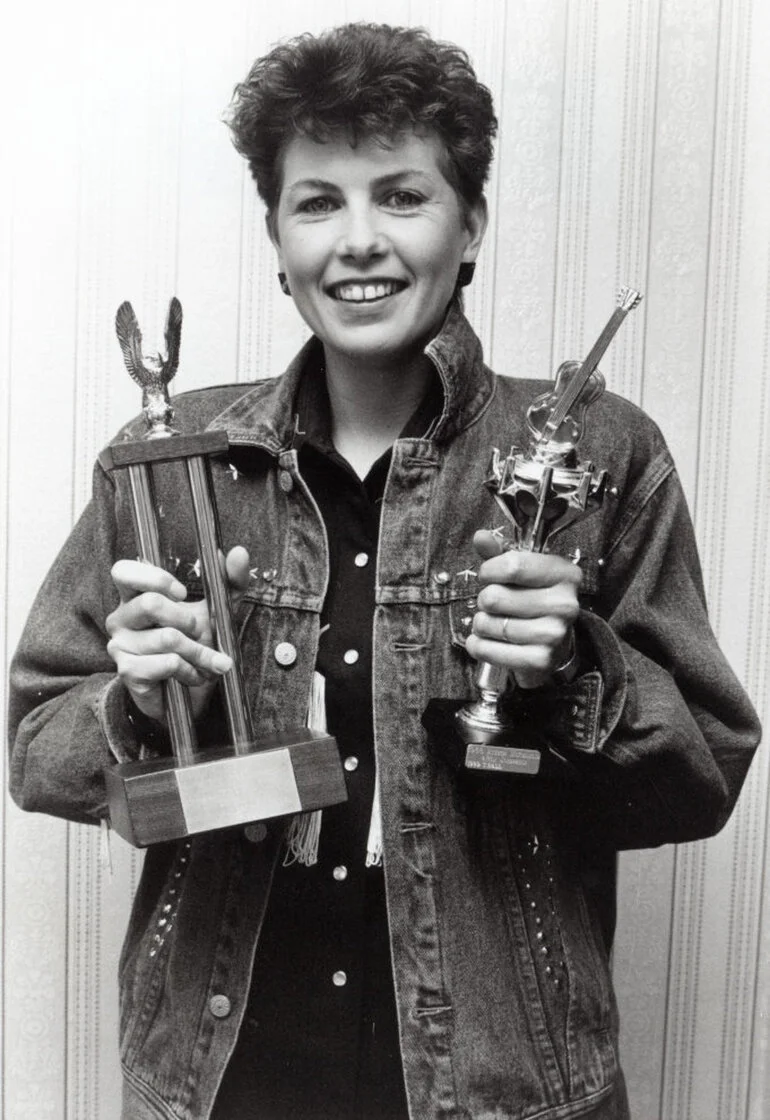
(634, 147)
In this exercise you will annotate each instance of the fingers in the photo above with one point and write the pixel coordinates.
(151, 596)
(559, 601)
(549, 630)
(142, 675)
(525, 569)
(520, 643)
(523, 629)
(151, 609)
(155, 635)
(177, 653)
(134, 576)
(131, 577)
(525, 659)
(526, 610)
(144, 659)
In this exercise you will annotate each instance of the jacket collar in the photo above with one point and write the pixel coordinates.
(265, 415)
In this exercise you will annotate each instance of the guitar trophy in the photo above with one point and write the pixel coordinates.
(247, 779)
(540, 490)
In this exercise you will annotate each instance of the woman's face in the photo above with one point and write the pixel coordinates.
(371, 239)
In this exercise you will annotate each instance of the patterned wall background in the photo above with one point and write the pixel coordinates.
(633, 148)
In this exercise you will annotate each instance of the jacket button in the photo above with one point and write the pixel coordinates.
(285, 653)
(285, 481)
(340, 979)
(351, 763)
(220, 1007)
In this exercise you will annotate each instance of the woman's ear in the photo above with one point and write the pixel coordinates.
(272, 232)
(476, 218)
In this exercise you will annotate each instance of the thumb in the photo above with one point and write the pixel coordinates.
(488, 544)
(237, 569)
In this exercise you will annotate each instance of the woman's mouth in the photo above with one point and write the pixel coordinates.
(369, 292)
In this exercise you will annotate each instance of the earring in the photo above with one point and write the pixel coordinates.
(284, 283)
(465, 273)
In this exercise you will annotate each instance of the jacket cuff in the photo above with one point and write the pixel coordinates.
(129, 733)
(581, 715)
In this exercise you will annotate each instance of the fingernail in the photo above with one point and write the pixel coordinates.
(221, 662)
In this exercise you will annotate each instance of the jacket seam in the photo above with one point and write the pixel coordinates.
(661, 469)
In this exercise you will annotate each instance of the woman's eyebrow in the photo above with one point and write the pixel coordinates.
(312, 184)
(381, 181)
(398, 176)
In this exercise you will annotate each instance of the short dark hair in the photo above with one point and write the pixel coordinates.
(365, 80)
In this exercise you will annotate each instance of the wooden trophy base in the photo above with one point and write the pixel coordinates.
(156, 801)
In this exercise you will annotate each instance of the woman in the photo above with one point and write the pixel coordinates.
(442, 949)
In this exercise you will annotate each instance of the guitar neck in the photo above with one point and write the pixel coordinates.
(578, 382)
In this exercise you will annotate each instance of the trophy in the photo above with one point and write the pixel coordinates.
(541, 491)
(246, 779)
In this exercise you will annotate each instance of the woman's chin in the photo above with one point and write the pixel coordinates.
(374, 352)
(376, 339)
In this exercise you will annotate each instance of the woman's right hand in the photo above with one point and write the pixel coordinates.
(156, 636)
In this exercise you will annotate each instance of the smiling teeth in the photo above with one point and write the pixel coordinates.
(364, 293)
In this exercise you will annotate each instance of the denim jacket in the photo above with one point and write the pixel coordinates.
(503, 986)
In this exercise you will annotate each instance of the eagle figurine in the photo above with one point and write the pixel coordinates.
(152, 371)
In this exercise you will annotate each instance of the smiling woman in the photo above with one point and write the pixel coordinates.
(437, 946)
(371, 154)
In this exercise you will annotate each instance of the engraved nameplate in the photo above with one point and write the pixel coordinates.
(506, 760)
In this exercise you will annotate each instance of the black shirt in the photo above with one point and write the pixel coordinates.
(320, 1035)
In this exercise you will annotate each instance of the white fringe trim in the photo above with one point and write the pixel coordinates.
(304, 832)
(303, 838)
(374, 842)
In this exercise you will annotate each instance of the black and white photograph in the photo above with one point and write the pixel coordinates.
(385, 402)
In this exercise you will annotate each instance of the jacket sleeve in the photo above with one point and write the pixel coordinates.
(68, 715)
(660, 731)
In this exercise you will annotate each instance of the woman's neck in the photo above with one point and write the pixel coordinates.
(370, 405)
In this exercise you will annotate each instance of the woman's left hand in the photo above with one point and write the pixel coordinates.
(526, 610)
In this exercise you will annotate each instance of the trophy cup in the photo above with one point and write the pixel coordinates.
(541, 491)
(246, 779)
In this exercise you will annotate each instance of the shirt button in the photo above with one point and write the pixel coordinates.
(285, 653)
(340, 873)
(361, 560)
(350, 656)
(285, 481)
(220, 1007)
(351, 763)
(441, 578)
(340, 979)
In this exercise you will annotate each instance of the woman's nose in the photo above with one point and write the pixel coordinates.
(362, 238)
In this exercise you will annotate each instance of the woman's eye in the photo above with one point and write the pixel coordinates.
(404, 200)
(318, 205)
